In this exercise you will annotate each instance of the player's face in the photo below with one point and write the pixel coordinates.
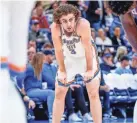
(68, 22)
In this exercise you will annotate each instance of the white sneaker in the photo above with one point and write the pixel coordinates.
(74, 117)
(87, 117)
(62, 118)
(79, 114)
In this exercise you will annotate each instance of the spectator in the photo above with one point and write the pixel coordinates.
(131, 53)
(55, 5)
(104, 91)
(32, 44)
(34, 30)
(49, 12)
(33, 83)
(124, 61)
(77, 92)
(93, 33)
(133, 66)
(116, 23)
(108, 17)
(49, 71)
(47, 46)
(102, 39)
(94, 14)
(52, 7)
(116, 39)
(107, 64)
(121, 51)
(72, 116)
(34, 33)
(43, 23)
(31, 53)
(28, 102)
(106, 50)
(38, 3)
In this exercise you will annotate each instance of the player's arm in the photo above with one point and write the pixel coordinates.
(58, 46)
(130, 29)
(86, 40)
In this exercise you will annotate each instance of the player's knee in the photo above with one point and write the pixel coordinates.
(94, 94)
(60, 93)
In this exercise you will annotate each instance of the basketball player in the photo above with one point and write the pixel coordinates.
(13, 53)
(125, 10)
(76, 56)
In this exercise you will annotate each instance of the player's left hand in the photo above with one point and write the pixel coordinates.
(88, 75)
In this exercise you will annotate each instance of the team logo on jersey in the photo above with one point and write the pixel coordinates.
(71, 44)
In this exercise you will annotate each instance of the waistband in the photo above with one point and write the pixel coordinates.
(79, 80)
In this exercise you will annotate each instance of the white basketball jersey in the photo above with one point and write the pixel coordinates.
(74, 55)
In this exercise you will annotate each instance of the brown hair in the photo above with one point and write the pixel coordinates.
(37, 4)
(37, 63)
(47, 45)
(65, 9)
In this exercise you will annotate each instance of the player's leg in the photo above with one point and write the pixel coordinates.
(16, 111)
(20, 12)
(4, 52)
(59, 102)
(135, 114)
(95, 104)
(19, 25)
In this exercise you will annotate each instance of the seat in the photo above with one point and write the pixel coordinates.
(121, 89)
(132, 86)
(110, 80)
(38, 102)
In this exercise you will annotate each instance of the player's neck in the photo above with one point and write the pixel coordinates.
(68, 33)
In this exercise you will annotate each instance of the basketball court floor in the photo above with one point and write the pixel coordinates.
(129, 120)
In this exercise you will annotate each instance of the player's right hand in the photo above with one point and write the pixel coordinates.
(62, 76)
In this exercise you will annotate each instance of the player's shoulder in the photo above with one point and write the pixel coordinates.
(83, 23)
(55, 27)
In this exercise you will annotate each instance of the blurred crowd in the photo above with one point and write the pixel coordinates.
(114, 52)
